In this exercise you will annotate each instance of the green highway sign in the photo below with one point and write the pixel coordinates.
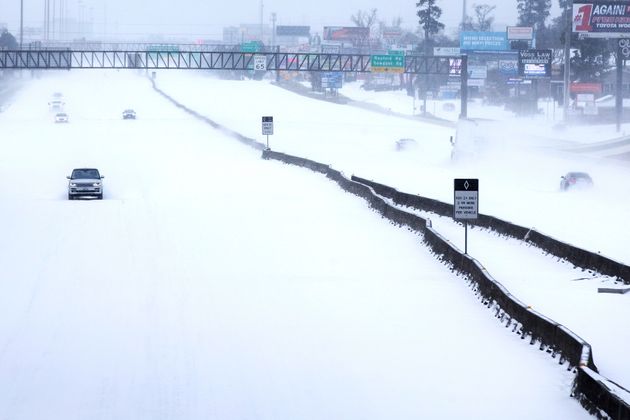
(250, 47)
(162, 48)
(388, 63)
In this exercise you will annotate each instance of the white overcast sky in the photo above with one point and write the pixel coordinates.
(205, 19)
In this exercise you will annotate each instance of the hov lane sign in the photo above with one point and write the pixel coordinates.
(267, 126)
(466, 202)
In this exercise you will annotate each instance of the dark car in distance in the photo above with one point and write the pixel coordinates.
(575, 180)
(129, 114)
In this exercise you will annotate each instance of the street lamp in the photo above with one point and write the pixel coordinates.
(21, 22)
(567, 58)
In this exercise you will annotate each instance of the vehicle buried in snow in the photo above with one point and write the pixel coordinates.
(575, 180)
(129, 114)
(61, 117)
(406, 144)
(85, 182)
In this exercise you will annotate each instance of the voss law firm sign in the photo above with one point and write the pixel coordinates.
(601, 19)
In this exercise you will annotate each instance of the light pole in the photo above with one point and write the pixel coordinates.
(567, 58)
(21, 22)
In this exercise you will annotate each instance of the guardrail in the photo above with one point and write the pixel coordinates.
(579, 257)
(595, 392)
(592, 390)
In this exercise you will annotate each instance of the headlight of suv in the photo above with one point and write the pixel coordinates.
(96, 184)
(72, 184)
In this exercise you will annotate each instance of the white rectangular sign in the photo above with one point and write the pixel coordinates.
(260, 63)
(267, 126)
(520, 33)
(446, 51)
(466, 200)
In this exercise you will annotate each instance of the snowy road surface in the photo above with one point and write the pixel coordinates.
(554, 288)
(210, 284)
(517, 183)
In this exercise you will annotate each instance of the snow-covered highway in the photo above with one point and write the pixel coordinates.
(210, 284)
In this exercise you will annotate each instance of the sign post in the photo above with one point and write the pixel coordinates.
(466, 203)
(267, 128)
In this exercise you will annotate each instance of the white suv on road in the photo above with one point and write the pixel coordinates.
(85, 182)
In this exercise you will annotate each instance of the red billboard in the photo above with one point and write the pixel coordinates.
(601, 19)
(585, 88)
(345, 33)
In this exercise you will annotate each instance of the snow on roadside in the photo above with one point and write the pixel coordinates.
(212, 284)
(517, 184)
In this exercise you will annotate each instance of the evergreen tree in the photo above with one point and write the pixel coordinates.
(533, 13)
(428, 15)
(7, 41)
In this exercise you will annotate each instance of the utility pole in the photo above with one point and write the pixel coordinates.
(567, 58)
(273, 33)
(463, 13)
(21, 22)
(261, 21)
(47, 19)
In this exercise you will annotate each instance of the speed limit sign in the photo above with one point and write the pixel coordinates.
(624, 48)
(260, 63)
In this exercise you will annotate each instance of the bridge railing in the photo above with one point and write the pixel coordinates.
(215, 60)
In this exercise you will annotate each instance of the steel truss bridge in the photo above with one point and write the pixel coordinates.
(228, 60)
(217, 60)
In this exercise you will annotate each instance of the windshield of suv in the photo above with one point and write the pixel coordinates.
(85, 174)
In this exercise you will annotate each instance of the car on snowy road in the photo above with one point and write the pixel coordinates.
(129, 114)
(574, 180)
(85, 182)
(61, 117)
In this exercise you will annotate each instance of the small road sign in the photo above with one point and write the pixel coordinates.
(466, 202)
(267, 126)
(260, 63)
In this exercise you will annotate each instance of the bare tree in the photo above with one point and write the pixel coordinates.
(364, 18)
(482, 21)
(482, 15)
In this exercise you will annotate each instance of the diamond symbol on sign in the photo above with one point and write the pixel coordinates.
(466, 185)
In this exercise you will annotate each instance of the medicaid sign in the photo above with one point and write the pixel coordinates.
(483, 41)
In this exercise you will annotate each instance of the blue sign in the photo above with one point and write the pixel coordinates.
(483, 41)
(508, 67)
(332, 80)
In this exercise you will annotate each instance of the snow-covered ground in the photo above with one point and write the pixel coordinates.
(519, 182)
(547, 125)
(212, 284)
(553, 288)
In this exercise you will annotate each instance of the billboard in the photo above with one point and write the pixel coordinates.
(391, 32)
(520, 33)
(446, 51)
(303, 31)
(483, 41)
(508, 67)
(585, 88)
(601, 19)
(345, 33)
(332, 80)
(534, 63)
(477, 72)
